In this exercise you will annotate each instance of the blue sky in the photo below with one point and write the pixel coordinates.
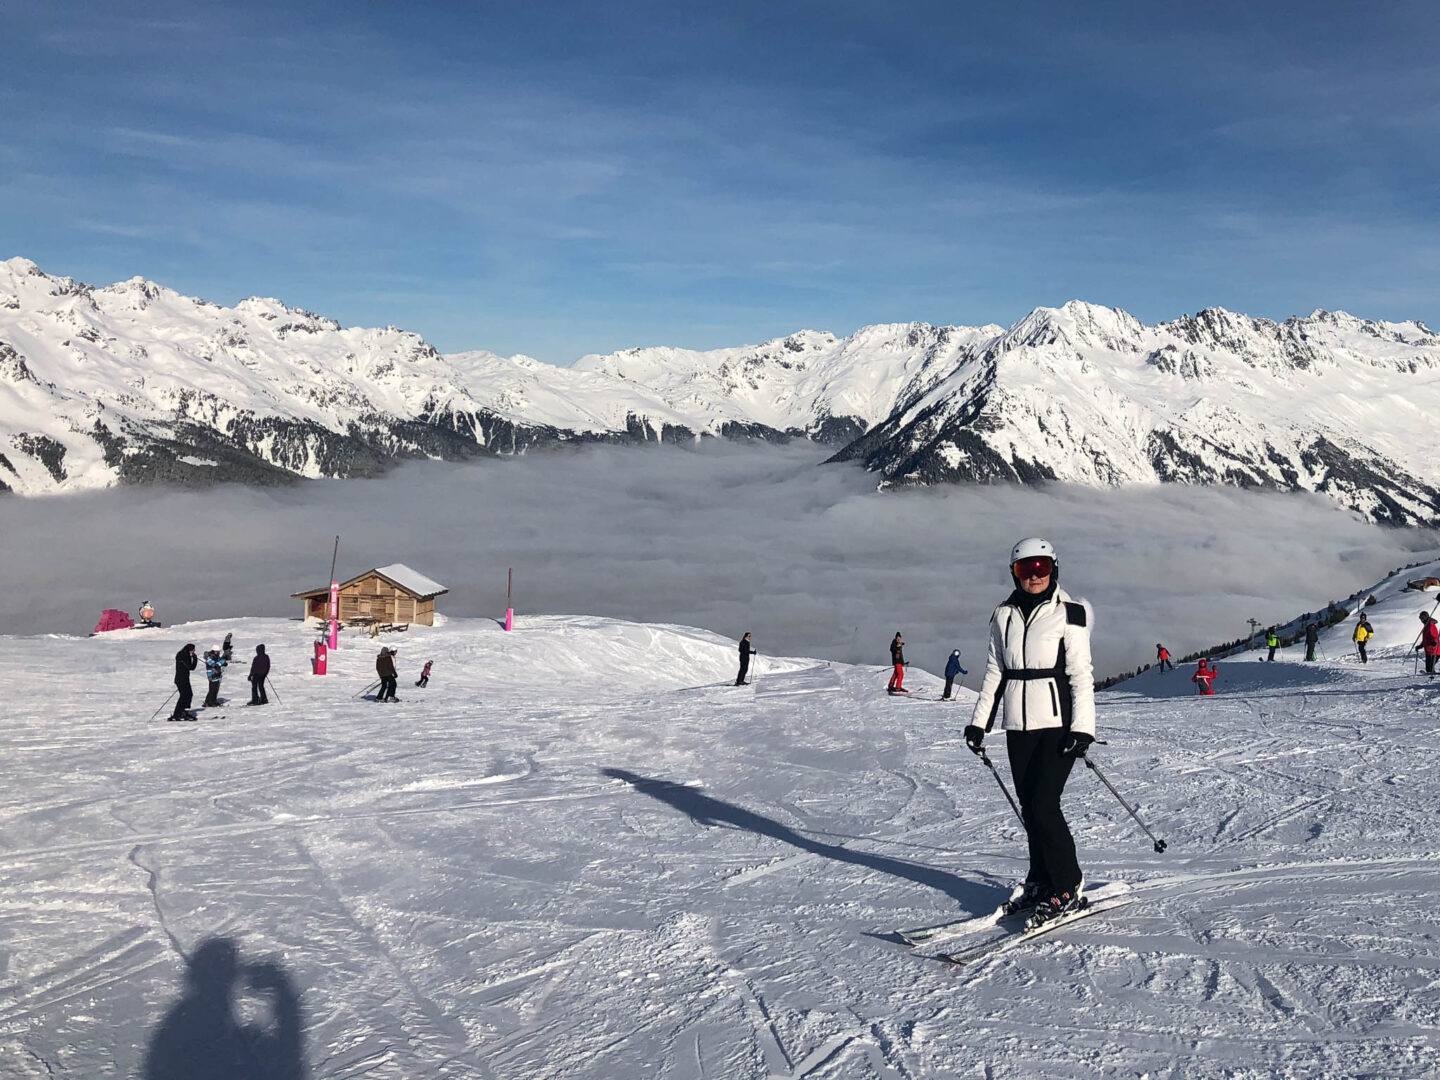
(561, 178)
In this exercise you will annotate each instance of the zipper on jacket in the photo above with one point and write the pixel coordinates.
(1024, 689)
(1054, 701)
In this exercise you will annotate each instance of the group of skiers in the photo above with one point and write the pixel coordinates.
(216, 660)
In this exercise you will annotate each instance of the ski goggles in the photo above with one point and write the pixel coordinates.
(1034, 567)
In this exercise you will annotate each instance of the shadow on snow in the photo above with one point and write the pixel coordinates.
(202, 1037)
(706, 810)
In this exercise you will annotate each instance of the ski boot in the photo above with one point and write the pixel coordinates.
(1052, 907)
(1029, 896)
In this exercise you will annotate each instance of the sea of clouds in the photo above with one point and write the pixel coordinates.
(808, 557)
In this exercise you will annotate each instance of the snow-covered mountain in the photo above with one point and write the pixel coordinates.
(1327, 403)
(135, 382)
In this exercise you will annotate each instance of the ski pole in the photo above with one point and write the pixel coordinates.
(993, 772)
(367, 689)
(164, 703)
(1159, 844)
(274, 691)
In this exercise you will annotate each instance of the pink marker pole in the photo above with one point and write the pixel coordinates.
(334, 641)
(509, 610)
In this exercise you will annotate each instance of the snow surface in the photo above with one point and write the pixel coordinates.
(582, 852)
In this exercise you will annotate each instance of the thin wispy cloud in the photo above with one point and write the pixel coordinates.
(571, 179)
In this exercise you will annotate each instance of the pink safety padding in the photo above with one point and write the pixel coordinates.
(111, 619)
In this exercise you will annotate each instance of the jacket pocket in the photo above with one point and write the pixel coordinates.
(1054, 700)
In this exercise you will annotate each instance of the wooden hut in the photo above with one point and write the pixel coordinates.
(388, 594)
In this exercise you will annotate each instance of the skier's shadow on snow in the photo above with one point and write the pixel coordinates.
(705, 810)
(203, 1037)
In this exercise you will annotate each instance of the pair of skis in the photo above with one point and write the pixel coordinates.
(966, 941)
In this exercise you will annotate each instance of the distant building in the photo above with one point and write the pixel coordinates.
(387, 594)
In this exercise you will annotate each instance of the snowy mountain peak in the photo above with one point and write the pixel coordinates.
(1077, 324)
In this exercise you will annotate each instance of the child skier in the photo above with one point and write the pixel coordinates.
(226, 648)
(424, 679)
(1205, 675)
(214, 668)
(952, 668)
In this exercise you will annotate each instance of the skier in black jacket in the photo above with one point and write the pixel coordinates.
(185, 661)
(259, 672)
(1312, 638)
(897, 659)
(746, 651)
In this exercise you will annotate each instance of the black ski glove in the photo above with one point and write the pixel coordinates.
(1075, 744)
(974, 738)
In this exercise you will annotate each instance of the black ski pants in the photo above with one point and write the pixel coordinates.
(949, 685)
(182, 706)
(257, 692)
(1271, 657)
(212, 696)
(388, 683)
(1360, 645)
(1040, 772)
(744, 669)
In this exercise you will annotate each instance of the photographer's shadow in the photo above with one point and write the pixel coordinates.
(203, 1037)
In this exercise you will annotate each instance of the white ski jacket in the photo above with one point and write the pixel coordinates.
(1039, 668)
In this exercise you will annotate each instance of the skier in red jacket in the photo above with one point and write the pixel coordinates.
(1204, 675)
(1162, 657)
(1429, 641)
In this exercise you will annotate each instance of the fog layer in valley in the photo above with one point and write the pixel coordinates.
(809, 558)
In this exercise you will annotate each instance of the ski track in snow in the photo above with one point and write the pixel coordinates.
(581, 852)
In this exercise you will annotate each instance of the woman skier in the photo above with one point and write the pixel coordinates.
(385, 668)
(1039, 669)
(259, 672)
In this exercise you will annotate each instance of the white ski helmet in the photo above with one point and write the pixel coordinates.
(1032, 546)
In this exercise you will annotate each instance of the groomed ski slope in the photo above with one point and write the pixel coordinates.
(582, 853)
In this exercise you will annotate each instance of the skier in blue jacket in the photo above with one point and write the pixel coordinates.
(952, 668)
